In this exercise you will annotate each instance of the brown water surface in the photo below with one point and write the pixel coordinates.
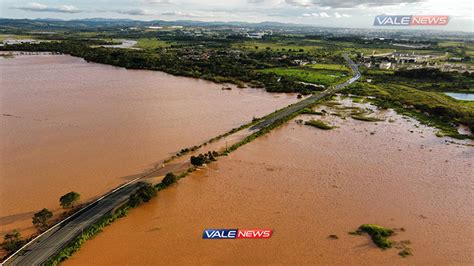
(71, 125)
(307, 184)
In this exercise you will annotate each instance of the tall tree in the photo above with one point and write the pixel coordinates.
(41, 219)
(12, 241)
(68, 200)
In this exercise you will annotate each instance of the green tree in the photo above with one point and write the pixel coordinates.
(169, 179)
(144, 194)
(12, 241)
(198, 160)
(68, 200)
(41, 219)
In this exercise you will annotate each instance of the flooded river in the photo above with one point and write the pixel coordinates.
(307, 184)
(70, 125)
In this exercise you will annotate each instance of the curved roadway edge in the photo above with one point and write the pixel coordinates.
(312, 99)
(48, 244)
(39, 250)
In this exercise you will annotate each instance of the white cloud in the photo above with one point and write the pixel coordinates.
(156, 1)
(338, 15)
(324, 15)
(37, 7)
(135, 12)
(350, 4)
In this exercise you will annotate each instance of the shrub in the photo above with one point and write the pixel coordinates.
(12, 241)
(169, 179)
(197, 160)
(204, 158)
(405, 252)
(318, 124)
(378, 234)
(144, 194)
(361, 117)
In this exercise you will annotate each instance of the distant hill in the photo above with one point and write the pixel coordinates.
(48, 24)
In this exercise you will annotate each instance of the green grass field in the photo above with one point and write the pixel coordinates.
(276, 46)
(329, 67)
(151, 43)
(15, 37)
(369, 51)
(326, 77)
(450, 43)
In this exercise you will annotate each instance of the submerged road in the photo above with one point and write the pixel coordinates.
(38, 252)
(310, 100)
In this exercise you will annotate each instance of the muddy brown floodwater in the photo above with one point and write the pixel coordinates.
(306, 184)
(70, 125)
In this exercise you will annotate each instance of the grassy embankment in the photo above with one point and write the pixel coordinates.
(432, 108)
(321, 74)
(151, 43)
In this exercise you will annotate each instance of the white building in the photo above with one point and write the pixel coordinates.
(385, 65)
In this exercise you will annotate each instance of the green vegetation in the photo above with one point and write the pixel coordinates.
(335, 67)
(309, 111)
(12, 241)
(67, 201)
(268, 128)
(425, 79)
(318, 124)
(310, 75)
(210, 63)
(277, 46)
(194, 148)
(41, 219)
(204, 158)
(405, 252)
(169, 179)
(276, 64)
(149, 43)
(378, 234)
(15, 37)
(87, 234)
(362, 117)
(430, 108)
(144, 194)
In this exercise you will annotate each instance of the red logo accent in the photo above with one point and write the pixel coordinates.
(429, 20)
(254, 233)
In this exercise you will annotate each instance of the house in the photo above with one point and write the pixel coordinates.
(385, 65)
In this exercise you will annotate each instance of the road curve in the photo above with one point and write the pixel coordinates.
(312, 99)
(50, 243)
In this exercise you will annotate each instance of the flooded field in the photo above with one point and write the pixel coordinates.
(70, 125)
(307, 184)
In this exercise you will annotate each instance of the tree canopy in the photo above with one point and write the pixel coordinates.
(67, 201)
(41, 219)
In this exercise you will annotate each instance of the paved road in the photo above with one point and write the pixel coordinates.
(312, 99)
(52, 242)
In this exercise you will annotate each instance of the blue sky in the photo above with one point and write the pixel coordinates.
(357, 13)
